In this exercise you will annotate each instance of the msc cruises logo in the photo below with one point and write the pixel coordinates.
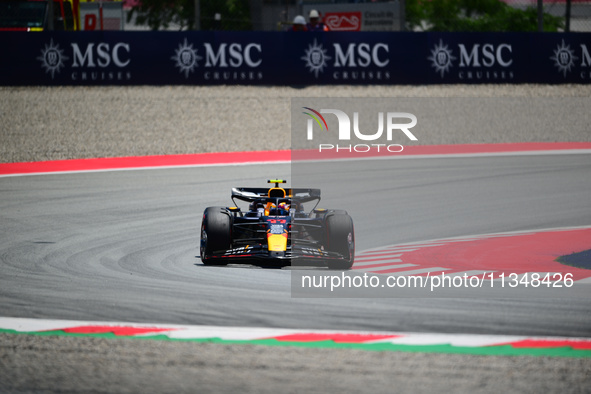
(88, 61)
(228, 61)
(52, 58)
(363, 61)
(316, 58)
(474, 61)
(564, 58)
(186, 58)
(441, 58)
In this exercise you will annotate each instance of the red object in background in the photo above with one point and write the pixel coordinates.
(343, 21)
(89, 22)
(130, 3)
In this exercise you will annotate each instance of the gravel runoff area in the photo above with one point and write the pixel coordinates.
(76, 365)
(53, 123)
(48, 123)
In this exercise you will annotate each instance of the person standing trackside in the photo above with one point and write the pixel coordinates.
(299, 24)
(315, 24)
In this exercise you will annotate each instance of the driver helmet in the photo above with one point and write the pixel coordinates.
(271, 209)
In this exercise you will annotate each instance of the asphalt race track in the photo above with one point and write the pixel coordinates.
(122, 245)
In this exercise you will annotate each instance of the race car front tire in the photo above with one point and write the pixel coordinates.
(215, 235)
(341, 239)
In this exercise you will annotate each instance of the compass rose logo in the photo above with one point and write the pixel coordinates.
(564, 58)
(186, 58)
(316, 58)
(441, 58)
(52, 58)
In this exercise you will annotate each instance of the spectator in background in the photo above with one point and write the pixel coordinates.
(217, 21)
(315, 24)
(299, 24)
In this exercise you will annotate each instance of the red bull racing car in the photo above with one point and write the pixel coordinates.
(277, 230)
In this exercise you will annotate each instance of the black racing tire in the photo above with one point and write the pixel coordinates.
(340, 238)
(216, 234)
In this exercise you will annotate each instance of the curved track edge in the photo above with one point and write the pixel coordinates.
(490, 345)
(277, 156)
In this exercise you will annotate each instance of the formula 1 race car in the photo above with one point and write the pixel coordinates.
(276, 230)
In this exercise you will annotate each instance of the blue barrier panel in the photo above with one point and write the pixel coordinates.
(510, 57)
(141, 58)
(352, 58)
(560, 58)
(288, 58)
(478, 58)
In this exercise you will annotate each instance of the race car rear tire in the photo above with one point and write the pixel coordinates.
(215, 235)
(341, 239)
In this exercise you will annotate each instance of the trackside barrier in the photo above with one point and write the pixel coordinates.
(284, 58)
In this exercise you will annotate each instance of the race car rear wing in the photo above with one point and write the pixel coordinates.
(250, 194)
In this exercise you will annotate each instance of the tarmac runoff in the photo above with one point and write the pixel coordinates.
(395, 259)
